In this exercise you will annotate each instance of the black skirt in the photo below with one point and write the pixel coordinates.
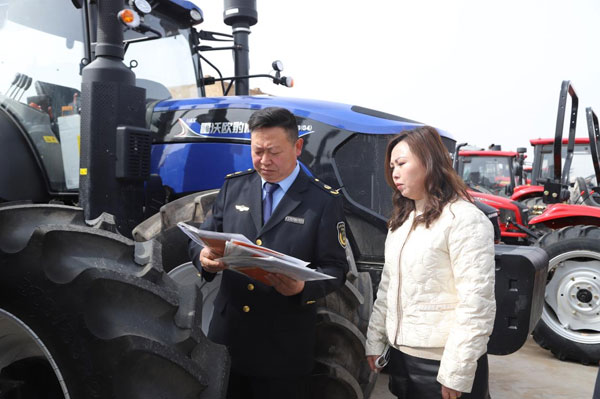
(416, 378)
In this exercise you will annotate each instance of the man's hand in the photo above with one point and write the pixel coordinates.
(207, 262)
(449, 393)
(284, 285)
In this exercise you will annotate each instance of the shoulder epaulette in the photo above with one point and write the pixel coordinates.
(240, 173)
(324, 186)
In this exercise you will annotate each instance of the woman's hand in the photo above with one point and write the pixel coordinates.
(371, 359)
(449, 393)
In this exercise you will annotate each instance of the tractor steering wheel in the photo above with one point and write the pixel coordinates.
(585, 194)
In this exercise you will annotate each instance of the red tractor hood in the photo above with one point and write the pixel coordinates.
(561, 215)
(526, 191)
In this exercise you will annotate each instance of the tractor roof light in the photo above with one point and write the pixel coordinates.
(142, 6)
(277, 65)
(196, 15)
(129, 18)
(288, 81)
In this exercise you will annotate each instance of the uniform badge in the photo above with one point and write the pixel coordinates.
(341, 230)
(294, 219)
(242, 208)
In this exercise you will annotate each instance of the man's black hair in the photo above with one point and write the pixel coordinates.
(275, 117)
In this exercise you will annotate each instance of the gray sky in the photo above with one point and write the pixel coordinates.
(487, 72)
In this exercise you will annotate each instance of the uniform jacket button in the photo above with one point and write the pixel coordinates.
(246, 308)
(250, 287)
(259, 242)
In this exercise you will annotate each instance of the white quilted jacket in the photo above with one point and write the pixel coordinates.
(443, 296)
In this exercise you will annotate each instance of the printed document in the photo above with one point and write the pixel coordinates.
(241, 255)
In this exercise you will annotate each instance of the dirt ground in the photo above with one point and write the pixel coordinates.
(530, 373)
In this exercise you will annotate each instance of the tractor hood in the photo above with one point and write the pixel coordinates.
(350, 117)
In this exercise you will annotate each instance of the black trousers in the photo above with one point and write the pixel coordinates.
(416, 378)
(249, 387)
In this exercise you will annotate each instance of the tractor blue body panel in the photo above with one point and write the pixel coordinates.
(189, 167)
(202, 152)
(334, 114)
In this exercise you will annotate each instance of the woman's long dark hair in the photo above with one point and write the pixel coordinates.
(442, 183)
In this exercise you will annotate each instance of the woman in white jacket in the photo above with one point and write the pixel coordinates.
(435, 304)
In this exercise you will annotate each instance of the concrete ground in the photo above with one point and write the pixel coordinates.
(530, 373)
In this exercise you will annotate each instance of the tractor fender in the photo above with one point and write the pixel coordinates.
(562, 215)
(523, 192)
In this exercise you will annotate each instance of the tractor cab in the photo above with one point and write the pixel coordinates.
(40, 81)
(542, 168)
(543, 165)
(489, 172)
(585, 189)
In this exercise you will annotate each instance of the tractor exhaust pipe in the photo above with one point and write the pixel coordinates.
(113, 141)
(241, 15)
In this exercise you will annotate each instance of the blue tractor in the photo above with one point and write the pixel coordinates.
(109, 140)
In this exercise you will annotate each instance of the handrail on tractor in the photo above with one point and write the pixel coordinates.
(562, 176)
(593, 132)
(555, 190)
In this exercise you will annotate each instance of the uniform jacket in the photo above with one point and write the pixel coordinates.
(269, 334)
(444, 294)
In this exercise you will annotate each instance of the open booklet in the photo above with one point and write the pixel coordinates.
(241, 255)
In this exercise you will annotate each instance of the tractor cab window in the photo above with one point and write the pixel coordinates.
(362, 172)
(581, 165)
(162, 65)
(40, 81)
(491, 175)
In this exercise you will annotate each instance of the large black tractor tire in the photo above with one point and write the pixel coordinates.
(190, 209)
(342, 317)
(570, 323)
(86, 313)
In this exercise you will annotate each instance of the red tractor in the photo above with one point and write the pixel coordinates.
(492, 176)
(492, 171)
(543, 169)
(563, 219)
(570, 323)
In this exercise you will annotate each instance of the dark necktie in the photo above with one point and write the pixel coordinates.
(268, 202)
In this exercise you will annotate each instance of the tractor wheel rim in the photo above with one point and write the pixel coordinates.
(18, 338)
(572, 297)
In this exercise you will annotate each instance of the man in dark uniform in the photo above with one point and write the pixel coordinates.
(270, 329)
